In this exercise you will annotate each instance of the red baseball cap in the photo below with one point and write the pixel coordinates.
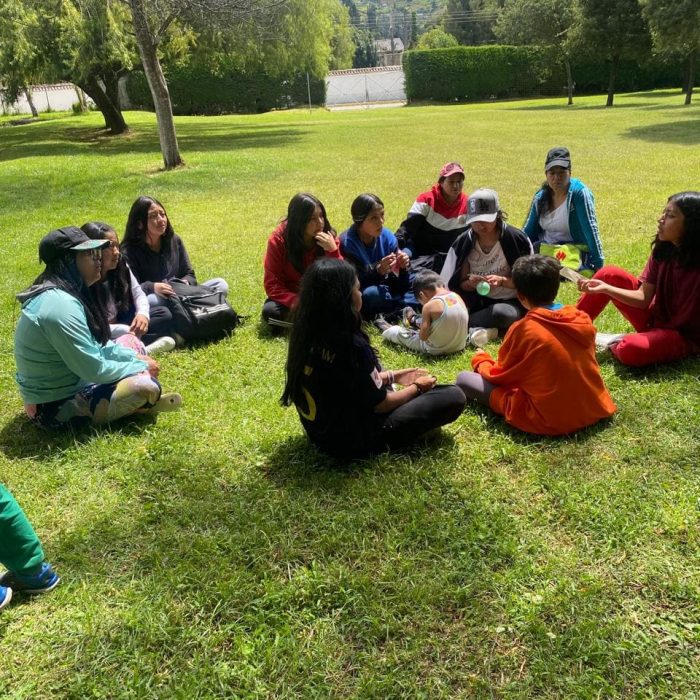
(450, 169)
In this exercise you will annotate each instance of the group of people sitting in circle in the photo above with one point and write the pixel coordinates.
(453, 273)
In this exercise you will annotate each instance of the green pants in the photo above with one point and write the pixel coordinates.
(20, 549)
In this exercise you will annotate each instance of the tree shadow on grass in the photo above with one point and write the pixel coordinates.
(21, 439)
(686, 132)
(58, 140)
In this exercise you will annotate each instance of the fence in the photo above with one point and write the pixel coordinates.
(365, 86)
(57, 98)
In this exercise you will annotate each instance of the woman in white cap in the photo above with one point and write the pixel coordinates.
(478, 267)
(68, 371)
(562, 220)
(435, 220)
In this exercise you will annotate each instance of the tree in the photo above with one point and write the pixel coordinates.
(543, 23)
(282, 35)
(436, 38)
(414, 30)
(471, 22)
(80, 41)
(675, 29)
(613, 28)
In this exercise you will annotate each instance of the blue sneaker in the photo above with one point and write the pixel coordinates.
(42, 582)
(5, 596)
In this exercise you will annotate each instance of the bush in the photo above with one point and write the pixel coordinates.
(195, 90)
(483, 72)
(477, 72)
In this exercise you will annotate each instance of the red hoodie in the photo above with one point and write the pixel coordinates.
(281, 278)
(547, 378)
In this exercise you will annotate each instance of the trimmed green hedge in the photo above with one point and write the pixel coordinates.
(486, 72)
(194, 90)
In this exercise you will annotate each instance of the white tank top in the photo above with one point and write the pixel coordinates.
(448, 332)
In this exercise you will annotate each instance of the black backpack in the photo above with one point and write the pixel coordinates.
(201, 313)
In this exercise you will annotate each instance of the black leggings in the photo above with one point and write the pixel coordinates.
(494, 313)
(441, 405)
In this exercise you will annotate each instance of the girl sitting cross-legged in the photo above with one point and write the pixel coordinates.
(121, 296)
(302, 237)
(68, 370)
(382, 268)
(345, 400)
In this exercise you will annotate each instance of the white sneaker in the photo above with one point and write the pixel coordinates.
(164, 344)
(478, 337)
(167, 402)
(605, 340)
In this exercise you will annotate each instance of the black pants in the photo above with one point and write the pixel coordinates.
(161, 324)
(437, 407)
(441, 405)
(493, 313)
(276, 315)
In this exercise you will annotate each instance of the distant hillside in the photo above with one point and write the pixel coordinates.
(386, 17)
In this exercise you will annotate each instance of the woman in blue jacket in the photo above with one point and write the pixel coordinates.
(562, 220)
(68, 370)
(382, 269)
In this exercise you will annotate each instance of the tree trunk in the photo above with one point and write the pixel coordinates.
(28, 94)
(691, 76)
(111, 82)
(569, 82)
(613, 77)
(114, 119)
(157, 85)
(81, 101)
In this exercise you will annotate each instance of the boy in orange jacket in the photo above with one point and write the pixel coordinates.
(546, 379)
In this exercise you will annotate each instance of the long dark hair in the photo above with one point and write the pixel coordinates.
(299, 212)
(63, 274)
(687, 252)
(137, 224)
(117, 282)
(363, 205)
(324, 318)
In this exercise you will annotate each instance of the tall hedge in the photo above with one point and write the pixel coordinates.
(484, 72)
(195, 90)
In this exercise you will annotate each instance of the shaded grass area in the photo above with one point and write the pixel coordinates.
(214, 553)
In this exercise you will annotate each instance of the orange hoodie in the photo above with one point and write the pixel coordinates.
(547, 378)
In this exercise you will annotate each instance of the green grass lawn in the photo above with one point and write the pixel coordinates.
(214, 553)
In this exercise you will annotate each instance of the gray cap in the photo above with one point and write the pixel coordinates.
(482, 206)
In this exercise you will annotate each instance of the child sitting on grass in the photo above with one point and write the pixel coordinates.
(443, 327)
(546, 379)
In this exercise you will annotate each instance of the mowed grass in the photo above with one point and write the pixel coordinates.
(213, 553)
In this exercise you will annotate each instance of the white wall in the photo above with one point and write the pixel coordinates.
(60, 98)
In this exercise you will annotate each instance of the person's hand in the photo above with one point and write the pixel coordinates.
(425, 383)
(139, 325)
(496, 280)
(403, 260)
(405, 377)
(468, 284)
(593, 286)
(326, 241)
(384, 265)
(153, 367)
(163, 289)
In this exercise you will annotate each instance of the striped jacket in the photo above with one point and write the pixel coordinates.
(431, 227)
